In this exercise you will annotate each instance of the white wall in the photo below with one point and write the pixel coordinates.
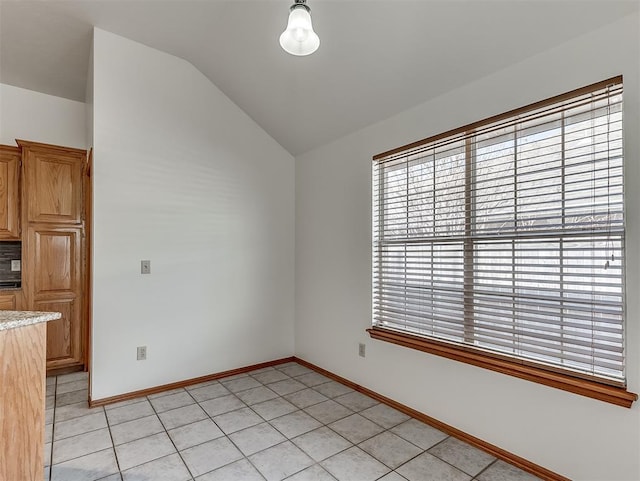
(29, 115)
(89, 100)
(576, 436)
(184, 178)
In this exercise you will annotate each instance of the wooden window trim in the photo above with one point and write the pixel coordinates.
(512, 367)
(497, 118)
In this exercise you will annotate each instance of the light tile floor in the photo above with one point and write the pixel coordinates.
(283, 422)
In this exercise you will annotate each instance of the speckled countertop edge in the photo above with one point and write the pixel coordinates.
(13, 319)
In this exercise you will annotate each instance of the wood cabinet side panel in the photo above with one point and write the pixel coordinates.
(22, 390)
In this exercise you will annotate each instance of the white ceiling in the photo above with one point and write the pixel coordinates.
(376, 58)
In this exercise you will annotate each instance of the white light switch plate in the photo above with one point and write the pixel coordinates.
(15, 265)
(145, 267)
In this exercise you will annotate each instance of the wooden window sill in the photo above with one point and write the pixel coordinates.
(585, 387)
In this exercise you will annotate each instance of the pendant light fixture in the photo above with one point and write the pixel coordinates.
(299, 37)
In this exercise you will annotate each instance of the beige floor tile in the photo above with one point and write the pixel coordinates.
(295, 424)
(211, 455)
(321, 443)
(355, 428)
(136, 429)
(81, 425)
(390, 449)
(195, 433)
(426, 463)
(354, 464)
(81, 445)
(172, 401)
(168, 468)
(91, 467)
(181, 416)
(463, 456)
(144, 450)
(256, 438)
(280, 461)
(239, 470)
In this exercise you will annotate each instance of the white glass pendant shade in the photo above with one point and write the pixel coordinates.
(299, 37)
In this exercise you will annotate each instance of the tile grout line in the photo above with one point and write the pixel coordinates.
(484, 469)
(113, 444)
(168, 435)
(53, 421)
(227, 435)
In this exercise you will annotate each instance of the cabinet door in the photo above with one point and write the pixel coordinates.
(8, 302)
(9, 168)
(53, 184)
(55, 284)
(63, 335)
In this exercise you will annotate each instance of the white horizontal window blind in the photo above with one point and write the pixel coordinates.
(508, 236)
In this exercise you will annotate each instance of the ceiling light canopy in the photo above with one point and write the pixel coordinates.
(299, 37)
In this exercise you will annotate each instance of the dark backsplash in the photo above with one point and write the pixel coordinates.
(9, 251)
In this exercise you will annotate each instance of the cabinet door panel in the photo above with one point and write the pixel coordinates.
(55, 254)
(55, 187)
(9, 168)
(54, 264)
(8, 302)
(63, 335)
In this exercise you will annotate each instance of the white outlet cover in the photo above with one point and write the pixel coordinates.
(16, 265)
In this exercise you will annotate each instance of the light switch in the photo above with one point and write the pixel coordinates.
(15, 265)
(145, 267)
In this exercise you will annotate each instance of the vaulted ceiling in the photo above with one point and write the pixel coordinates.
(376, 57)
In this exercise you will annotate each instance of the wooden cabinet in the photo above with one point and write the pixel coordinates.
(57, 174)
(9, 198)
(54, 259)
(10, 300)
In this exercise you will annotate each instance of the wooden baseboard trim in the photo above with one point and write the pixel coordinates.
(499, 453)
(185, 383)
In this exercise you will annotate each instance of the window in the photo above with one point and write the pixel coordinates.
(504, 240)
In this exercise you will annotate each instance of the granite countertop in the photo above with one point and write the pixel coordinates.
(13, 319)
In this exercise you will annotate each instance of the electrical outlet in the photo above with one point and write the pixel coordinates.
(15, 265)
(361, 349)
(142, 353)
(145, 267)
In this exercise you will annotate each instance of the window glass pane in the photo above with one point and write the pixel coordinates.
(449, 190)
